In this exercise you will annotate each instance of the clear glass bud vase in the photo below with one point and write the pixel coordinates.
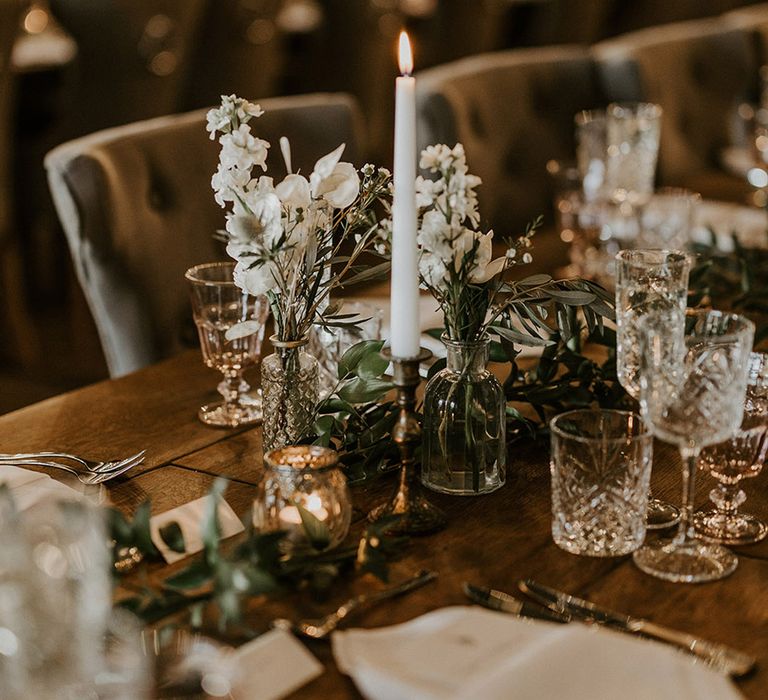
(464, 450)
(290, 389)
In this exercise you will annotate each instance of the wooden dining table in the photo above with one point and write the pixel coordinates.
(492, 540)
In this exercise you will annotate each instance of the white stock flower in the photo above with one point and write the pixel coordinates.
(216, 120)
(228, 185)
(427, 191)
(241, 149)
(432, 269)
(435, 157)
(435, 236)
(246, 110)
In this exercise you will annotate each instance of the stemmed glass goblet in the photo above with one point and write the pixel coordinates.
(693, 380)
(633, 130)
(646, 281)
(218, 305)
(739, 457)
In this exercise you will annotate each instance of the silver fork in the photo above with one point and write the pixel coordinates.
(319, 629)
(89, 465)
(85, 477)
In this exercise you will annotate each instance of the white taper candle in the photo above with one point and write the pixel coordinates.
(404, 314)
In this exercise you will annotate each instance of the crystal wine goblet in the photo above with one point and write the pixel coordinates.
(218, 305)
(693, 379)
(646, 281)
(738, 458)
(632, 133)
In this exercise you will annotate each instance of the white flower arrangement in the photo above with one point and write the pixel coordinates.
(286, 238)
(455, 262)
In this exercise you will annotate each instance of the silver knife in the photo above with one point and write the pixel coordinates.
(498, 600)
(719, 656)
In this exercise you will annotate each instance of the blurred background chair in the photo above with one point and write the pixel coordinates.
(133, 204)
(753, 18)
(133, 58)
(639, 14)
(513, 111)
(20, 339)
(699, 72)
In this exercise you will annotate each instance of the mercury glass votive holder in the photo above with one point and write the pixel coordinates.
(304, 493)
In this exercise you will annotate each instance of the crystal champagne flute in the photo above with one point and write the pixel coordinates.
(646, 281)
(693, 380)
(218, 305)
(738, 458)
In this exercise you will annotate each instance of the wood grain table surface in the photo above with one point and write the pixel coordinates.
(493, 540)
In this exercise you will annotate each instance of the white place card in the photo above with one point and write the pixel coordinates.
(189, 516)
(272, 666)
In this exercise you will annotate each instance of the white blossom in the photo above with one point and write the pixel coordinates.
(241, 149)
(272, 229)
(432, 269)
(293, 191)
(256, 280)
(265, 207)
(341, 187)
(229, 185)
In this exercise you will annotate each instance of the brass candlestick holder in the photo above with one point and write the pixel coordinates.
(417, 514)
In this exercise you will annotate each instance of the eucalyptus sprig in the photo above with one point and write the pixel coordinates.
(227, 576)
(736, 280)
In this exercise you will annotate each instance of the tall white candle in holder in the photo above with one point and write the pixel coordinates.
(404, 313)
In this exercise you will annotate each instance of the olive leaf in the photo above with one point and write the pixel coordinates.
(141, 535)
(360, 390)
(316, 530)
(372, 366)
(354, 356)
(173, 537)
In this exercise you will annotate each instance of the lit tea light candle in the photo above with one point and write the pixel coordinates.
(290, 517)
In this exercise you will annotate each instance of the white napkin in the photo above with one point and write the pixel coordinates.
(468, 652)
(28, 487)
(189, 517)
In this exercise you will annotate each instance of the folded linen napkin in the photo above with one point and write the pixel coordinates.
(462, 652)
(28, 487)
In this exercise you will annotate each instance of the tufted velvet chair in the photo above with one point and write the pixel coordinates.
(133, 57)
(137, 208)
(699, 72)
(513, 111)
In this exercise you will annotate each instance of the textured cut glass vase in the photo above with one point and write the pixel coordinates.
(290, 388)
(463, 450)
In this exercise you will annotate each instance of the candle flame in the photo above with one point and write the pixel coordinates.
(405, 54)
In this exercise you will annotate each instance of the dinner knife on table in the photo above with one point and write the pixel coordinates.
(498, 600)
(719, 656)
